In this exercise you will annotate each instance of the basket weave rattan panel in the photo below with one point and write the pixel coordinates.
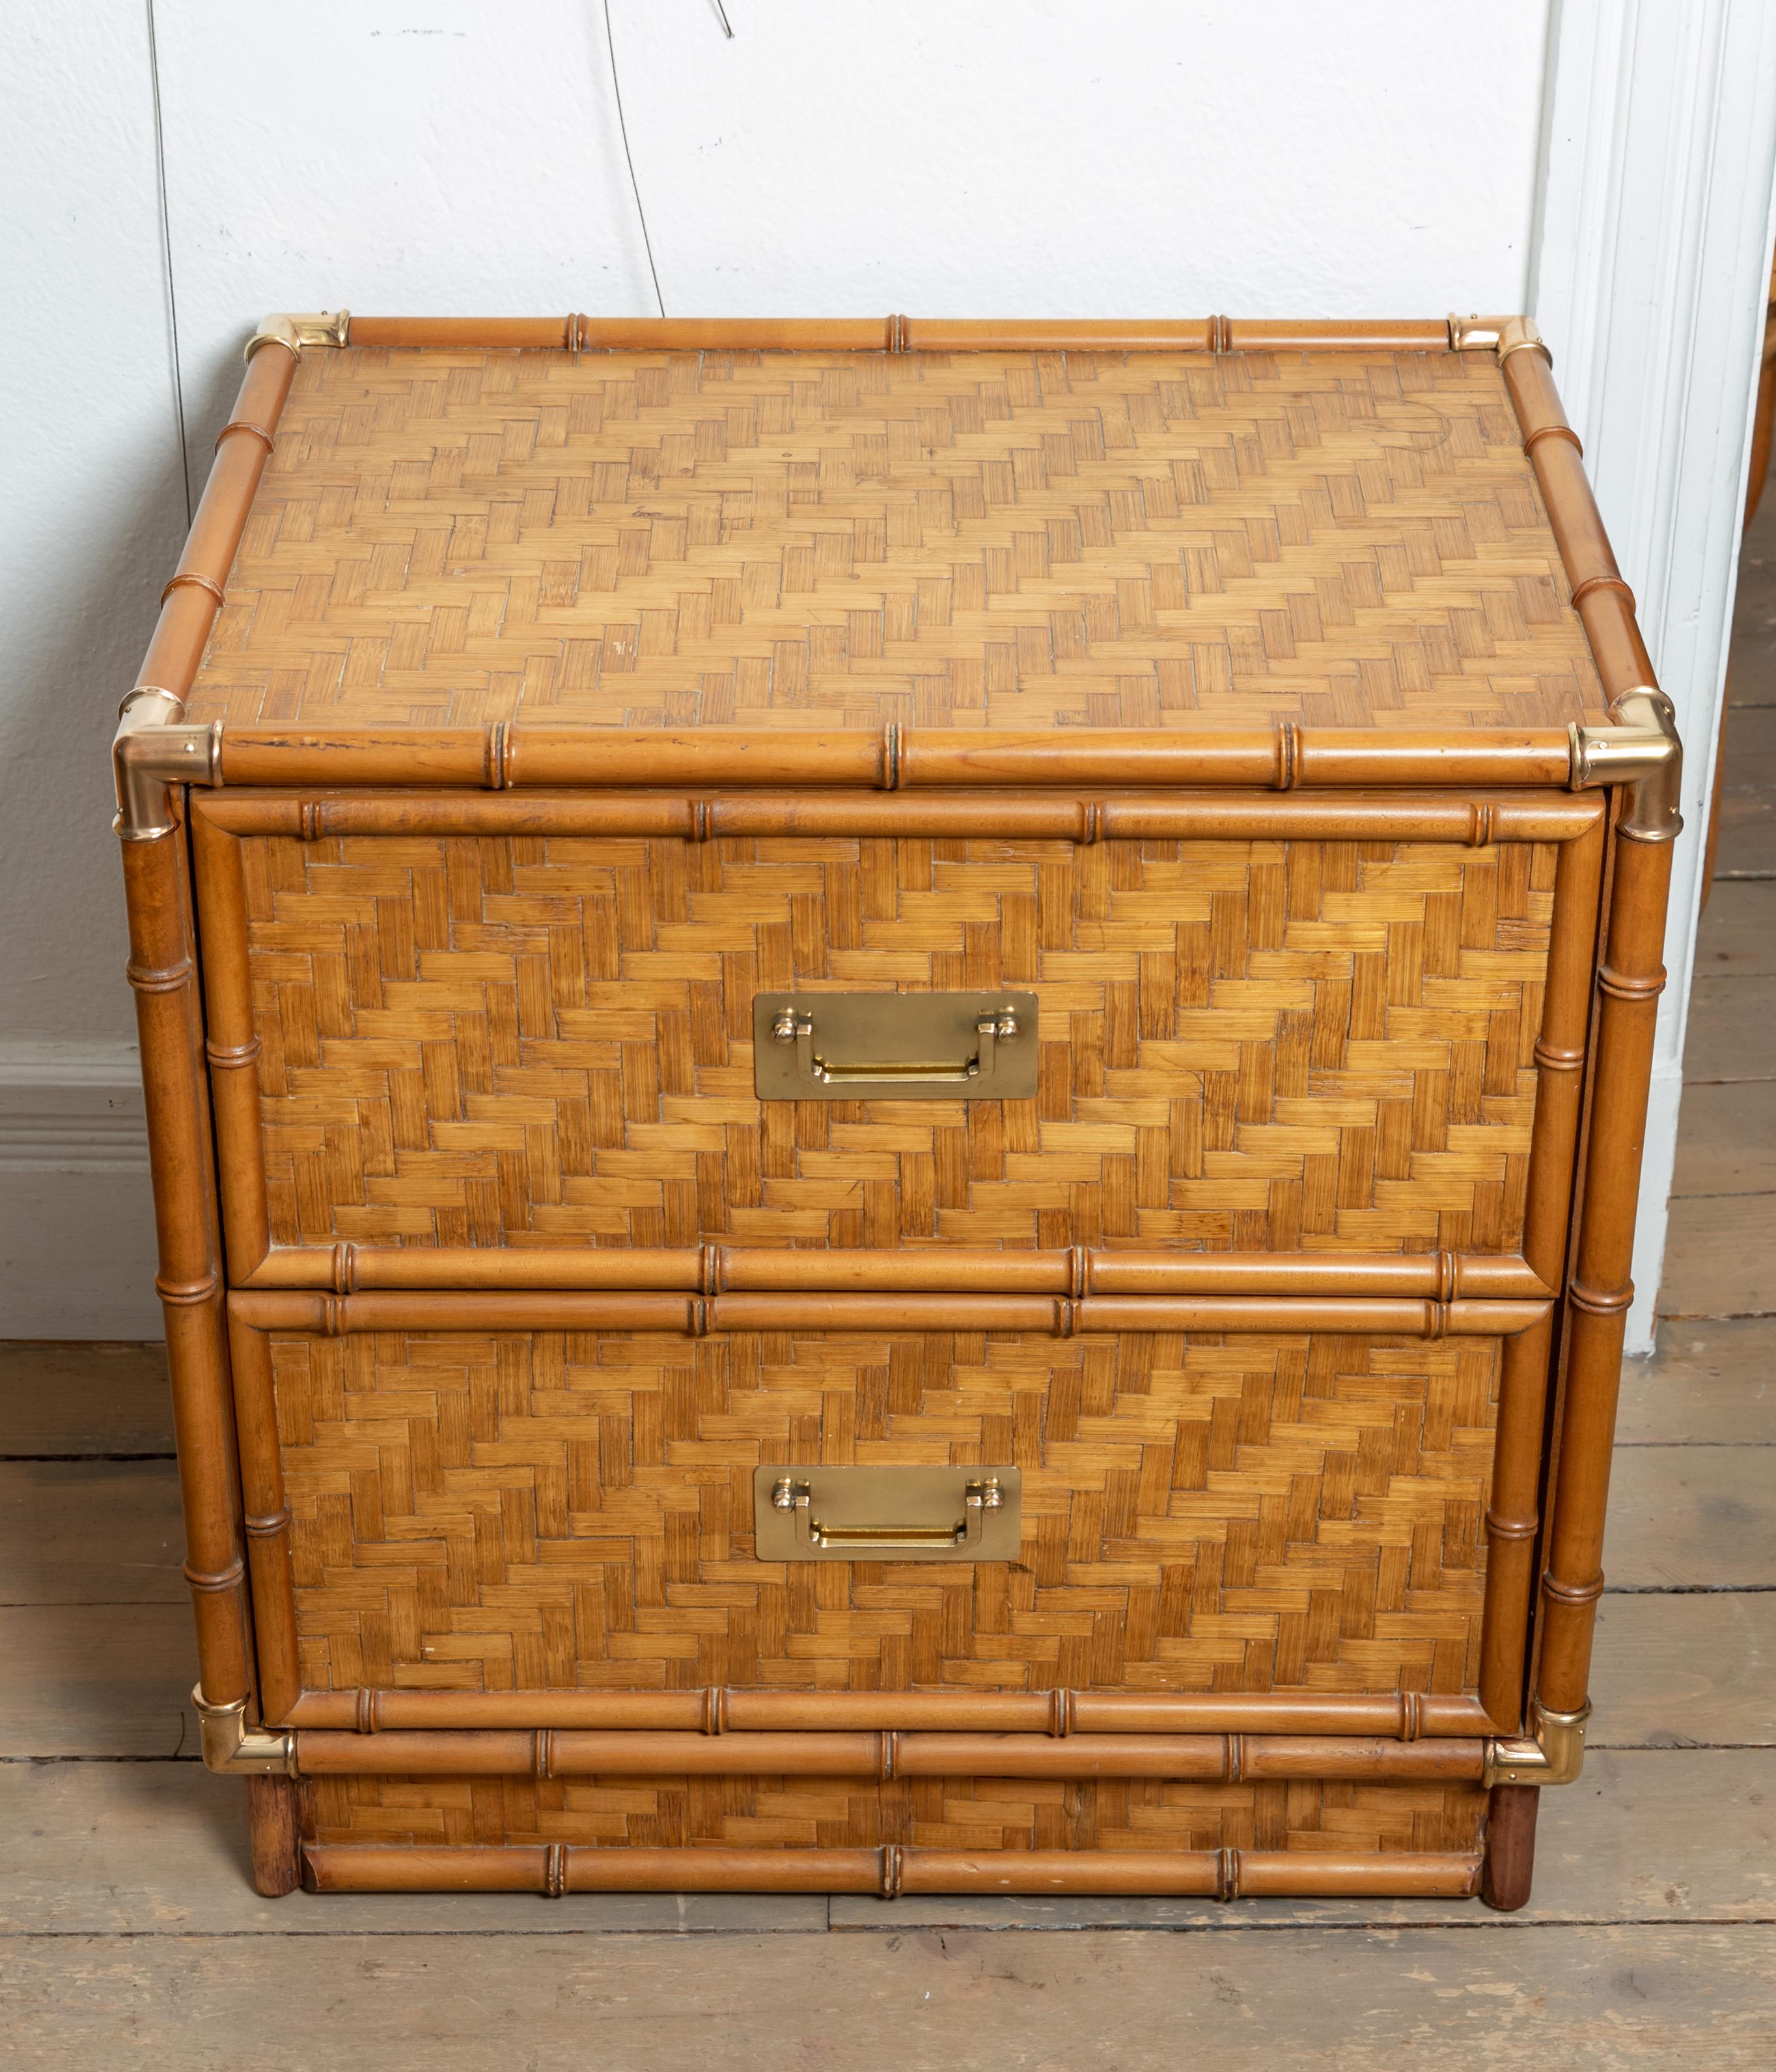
(814, 539)
(809, 1812)
(1253, 1046)
(476, 1511)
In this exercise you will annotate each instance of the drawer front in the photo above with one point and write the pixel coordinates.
(488, 1512)
(547, 1042)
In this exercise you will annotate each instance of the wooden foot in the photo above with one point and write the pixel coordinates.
(273, 1824)
(1510, 1846)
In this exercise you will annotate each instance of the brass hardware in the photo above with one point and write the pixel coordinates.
(1641, 752)
(1555, 1753)
(152, 750)
(323, 328)
(233, 1749)
(894, 1045)
(871, 1514)
(1503, 335)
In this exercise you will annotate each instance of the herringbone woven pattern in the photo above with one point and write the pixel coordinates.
(1242, 1514)
(1015, 540)
(1253, 1046)
(935, 1813)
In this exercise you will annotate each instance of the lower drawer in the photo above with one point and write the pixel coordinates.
(503, 1525)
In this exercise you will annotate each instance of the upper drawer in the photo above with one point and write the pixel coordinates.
(544, 1040)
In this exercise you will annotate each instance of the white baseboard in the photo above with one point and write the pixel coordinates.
(77, 1215)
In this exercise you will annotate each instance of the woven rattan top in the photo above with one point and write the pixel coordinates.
(848, 539)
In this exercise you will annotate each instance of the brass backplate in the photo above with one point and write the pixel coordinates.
(824, 1514)
(894, 1045)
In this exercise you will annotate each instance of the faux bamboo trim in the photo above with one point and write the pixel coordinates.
(1405, 1716)
(1048, 335)
(509, 756)
(576, 333)
(1640, 749)
(268, 1527)
(345, 1269)
(1601, 1290)
(232, 1048)
(162, 971)
(553, 1869)
(1560, 1054)
(1506, 816)
(335, 1316)
(1642, 755)
(1374, 334)
(1211, 1758)
(153, 750)
(1513, 1524)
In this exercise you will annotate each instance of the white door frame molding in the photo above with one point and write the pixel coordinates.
(1648, 281)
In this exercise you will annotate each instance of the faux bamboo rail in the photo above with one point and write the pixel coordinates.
(192, 598)
(1501, 816)
(551, 1868)
(1443, 1276)
(577, 333)
(528, 756)
(702, 1316)
(1212, 1758)
(1405, 1716)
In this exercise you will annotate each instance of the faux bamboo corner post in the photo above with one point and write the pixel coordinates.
(157, 759)
(190, 795)
(1642, 755)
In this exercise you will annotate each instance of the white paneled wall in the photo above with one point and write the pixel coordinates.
(1004, 157)
(1651, 275)
(90, 524)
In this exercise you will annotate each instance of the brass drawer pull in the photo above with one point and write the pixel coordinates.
(894, 1045)
(977, 1500)
(803, 1513)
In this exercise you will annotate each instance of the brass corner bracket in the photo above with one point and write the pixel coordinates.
(1554, 1754)
(233, 1749)
(1503, 335)
(1641, 752)
(320, 327)
(152, 750)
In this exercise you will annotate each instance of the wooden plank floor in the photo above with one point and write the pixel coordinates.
(129, 1935)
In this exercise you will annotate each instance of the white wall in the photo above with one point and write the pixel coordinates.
(1649, 283)
(90, 525)
(1008, 157)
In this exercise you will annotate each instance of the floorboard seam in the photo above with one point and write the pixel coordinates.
(17, 1459)
(1729, 1194)
(1687, 1589)
(1715, 1316)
